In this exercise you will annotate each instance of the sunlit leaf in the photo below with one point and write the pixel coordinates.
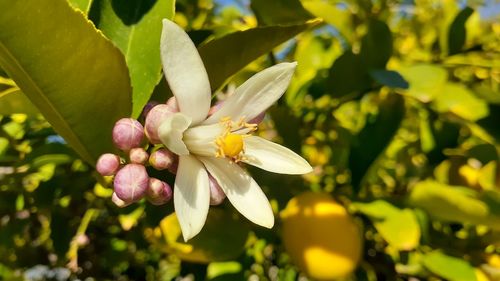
(47, 54)
(458, 99)
(339, 17)
(449, 267)
(12, 101)
(225, 56)
(135, 27)
(82, 5)
(425, 80)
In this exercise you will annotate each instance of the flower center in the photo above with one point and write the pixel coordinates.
(231, 145)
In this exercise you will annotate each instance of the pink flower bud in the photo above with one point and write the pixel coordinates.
(119, 202)
(128, 133)
(162, 159)
(217, 195)
(138, 155)
(154, 119)
(158, 192)
(108, 164)
(215, 108)
(131, 182)
(147, 108)
(257, 119)
(172, 102)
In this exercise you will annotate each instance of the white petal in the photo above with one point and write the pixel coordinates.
(241, 190)
(171, 132)
(185, 72)
(191, 196)
(273, 157)
(257, 94)
(200, 140)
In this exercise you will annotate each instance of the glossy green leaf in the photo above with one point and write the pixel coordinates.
(456, 204)
(347, 75)
(280, 11)
(82, 5)
(376, 45)
(72, 74)
(458, 99)
(457, 32)
(375, 137)
(135, 27)
(378, 209)
(448, 267)
(12, 100)
(389, 78)
(225, 56)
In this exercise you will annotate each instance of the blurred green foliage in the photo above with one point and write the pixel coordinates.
(396, 105)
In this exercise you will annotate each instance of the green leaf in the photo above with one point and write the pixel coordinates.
(12, 101)
(347, 75)
(389, 78)
(135, 28)
(82, 5)
(457, 32)
(375, 137)
(425, 81)
(280, 11)
(72, 74)
(448, 267)
(399, 228)
(225, 56)
(340, 18)
(456, 204)
(458, 99)
(376, 45)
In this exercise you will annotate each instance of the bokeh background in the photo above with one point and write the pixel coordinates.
(396, 105)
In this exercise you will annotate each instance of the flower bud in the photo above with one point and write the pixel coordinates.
(215, 108)
(127, 133)
(147, 108)
(158, 192)
(108, 164)
(119, 202)
(154, 119)
(217, 195)
(172, 102)
(162, 159)
(131, 182)
(138, 155)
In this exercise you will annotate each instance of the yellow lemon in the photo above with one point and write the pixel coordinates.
(321, 237)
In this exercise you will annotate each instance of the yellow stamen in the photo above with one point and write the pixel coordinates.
(230, 145)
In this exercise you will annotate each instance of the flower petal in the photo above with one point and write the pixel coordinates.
(241, 190)
(191, 196)
(185, 72)
(273, 157)
(171, 132)
(256, 95)
(200, 140)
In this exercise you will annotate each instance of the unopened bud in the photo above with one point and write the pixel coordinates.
(119, 202)
(138, 155)
(108, 164)
(162, 159)
(217, 195)
(155, 118)
(131, 182)
(128, 133)
(158, 192)
(147, 108)
(172, 102)
(215, 108)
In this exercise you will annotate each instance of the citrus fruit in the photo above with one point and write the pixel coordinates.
(321, 237)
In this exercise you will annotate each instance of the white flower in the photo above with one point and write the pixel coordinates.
(216, 143)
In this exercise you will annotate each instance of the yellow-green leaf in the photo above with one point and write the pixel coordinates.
(12, 101)
(425, 81)
(70, 72)
(448, 267)
(458, 99)
(135, 27)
